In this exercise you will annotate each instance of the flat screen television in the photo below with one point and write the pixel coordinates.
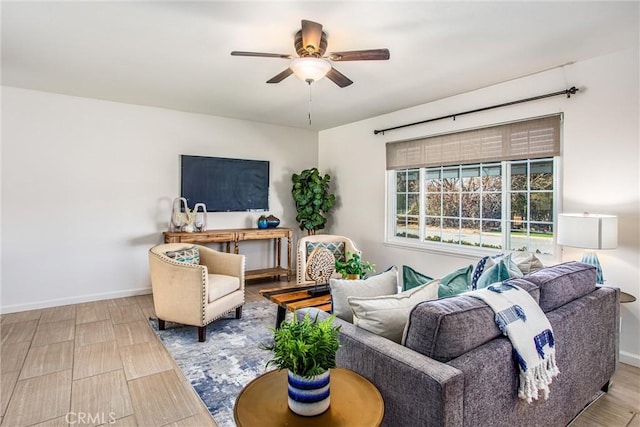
(225, 185)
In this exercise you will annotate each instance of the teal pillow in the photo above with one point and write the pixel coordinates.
(503, 270)
(456, 282)
(412, 278)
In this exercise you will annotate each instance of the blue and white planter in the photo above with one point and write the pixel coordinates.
(309, 396)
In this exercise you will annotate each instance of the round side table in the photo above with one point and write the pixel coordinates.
(354, 401)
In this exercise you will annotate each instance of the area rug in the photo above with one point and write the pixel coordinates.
(232, 356)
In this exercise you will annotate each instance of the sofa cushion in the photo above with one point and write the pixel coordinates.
(221, 285)
(189, 255)
(446, 328)
(385, 283)
(563, 283)
(387, 315)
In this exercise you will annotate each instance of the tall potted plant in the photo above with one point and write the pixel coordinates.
(307, 349)
(312, 199)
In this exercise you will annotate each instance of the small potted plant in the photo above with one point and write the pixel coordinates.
(307, 349)
(354, 267)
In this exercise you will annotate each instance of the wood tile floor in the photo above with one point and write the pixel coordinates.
(100, 363)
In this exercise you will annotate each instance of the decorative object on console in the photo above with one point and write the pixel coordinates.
(272, 221)
(312, 199)
(262, 222)
(200, 221)
(178, 204)
(187, 219)
(589, 231)
(307, 349)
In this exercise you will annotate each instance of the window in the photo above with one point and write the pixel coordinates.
(499, 203)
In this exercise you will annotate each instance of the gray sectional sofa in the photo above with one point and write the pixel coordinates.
(456, 368)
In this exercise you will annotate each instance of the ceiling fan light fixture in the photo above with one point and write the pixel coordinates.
(310, 69)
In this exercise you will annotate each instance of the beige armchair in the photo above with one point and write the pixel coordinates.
(302, 276)
(196, 294)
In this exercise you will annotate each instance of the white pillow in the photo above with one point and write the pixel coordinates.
(387, 315)
(527, 262)
(385, 283)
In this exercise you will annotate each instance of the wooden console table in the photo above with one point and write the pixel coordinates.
(237, 235)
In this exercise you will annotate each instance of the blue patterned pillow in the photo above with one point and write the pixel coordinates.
(336, 248)
(188, 255)
(502, 269)
(481, 267)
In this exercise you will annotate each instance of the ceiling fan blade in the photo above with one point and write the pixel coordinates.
(280, 77)
(338, 78)
(261, 54)
(360, 55)
(311, 35)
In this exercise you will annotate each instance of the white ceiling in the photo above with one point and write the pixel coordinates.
(175, 54)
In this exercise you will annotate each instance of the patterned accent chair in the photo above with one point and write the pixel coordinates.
(338, 245)
(195, 287)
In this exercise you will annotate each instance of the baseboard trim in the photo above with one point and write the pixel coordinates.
(630, 358)
(73, 300)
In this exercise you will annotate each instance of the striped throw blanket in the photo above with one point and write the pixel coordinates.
(522, 320)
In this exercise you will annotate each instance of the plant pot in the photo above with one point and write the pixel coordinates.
(308, 396)
(352, 276)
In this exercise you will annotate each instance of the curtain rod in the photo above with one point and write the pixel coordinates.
(567, 92)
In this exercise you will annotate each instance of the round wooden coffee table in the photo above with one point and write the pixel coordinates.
(354, 401)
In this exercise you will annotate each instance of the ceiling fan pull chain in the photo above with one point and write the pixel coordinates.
(309, 103)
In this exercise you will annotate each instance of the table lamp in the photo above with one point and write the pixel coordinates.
(589, 231)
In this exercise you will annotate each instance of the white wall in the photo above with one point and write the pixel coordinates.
(87, 187)
(600, 163)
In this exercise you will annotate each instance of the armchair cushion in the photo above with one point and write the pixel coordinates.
(221, 285)
(189, 255)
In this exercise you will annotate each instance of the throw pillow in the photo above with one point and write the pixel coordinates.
(527, 262)
(188, 255)
(481, 266)
(336, 248)
(456, 282)
(341, 289)
(412, 278)
(505, 269)
(387, 315)
(488, 261)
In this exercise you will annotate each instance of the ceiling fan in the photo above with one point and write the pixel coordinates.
(311, 65)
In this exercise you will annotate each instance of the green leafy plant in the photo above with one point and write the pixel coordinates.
(312, 199)
(305, 347)
(353, 265)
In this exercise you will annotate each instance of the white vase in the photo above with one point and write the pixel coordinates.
(188, 228)
(309, 396)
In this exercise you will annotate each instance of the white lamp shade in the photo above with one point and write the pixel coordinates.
(310, 69)
(588, 231)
